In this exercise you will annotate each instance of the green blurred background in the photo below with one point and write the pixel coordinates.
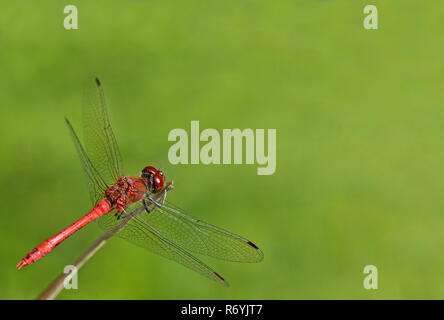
(360, 141)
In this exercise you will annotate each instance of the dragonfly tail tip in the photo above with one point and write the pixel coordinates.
(21, 264)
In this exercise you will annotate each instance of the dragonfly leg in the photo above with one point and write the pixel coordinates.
(164, 196)
(122, 214)
(160, 205)
(146, 206)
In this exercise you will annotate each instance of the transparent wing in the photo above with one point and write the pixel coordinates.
(194, 235)
(141, 233)
(100, 142)
(96, 185)
(198, 236)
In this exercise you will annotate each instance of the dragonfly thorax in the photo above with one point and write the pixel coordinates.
(125, 191)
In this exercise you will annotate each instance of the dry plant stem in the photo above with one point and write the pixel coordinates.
(57, 285)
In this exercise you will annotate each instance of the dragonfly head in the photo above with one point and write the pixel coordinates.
(154, 178)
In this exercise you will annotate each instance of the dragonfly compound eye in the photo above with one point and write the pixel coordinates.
(149, 171)
(158, 181)
(162, 175)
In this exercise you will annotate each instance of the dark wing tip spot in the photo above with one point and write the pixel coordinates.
(98, 82)
(253, 245)
(217, 274)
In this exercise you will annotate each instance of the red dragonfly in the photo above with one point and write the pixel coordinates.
(158, 225)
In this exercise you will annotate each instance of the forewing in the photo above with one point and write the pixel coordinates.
(96, 185)
(198, 236)
(141, 233)
(100, 142)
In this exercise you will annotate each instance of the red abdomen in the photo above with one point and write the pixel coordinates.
(43, 249)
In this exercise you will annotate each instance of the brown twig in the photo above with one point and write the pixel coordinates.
(57, 285)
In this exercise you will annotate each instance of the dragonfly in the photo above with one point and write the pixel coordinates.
(139, 204)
